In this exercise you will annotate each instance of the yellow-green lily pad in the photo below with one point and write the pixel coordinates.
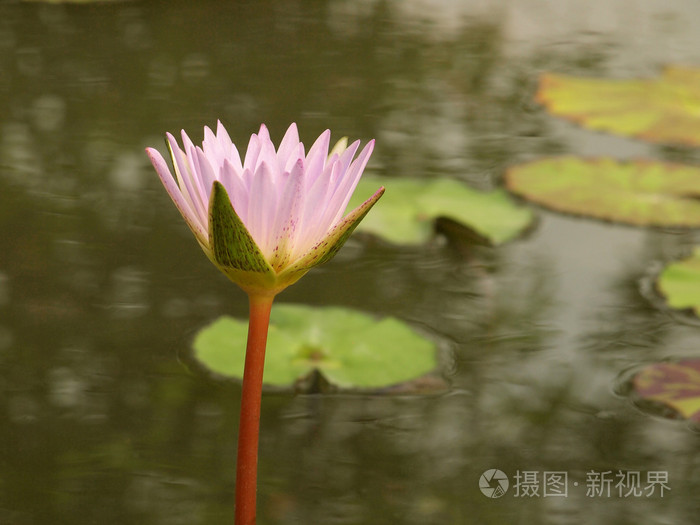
(349, 349)
(409, 207)
(664, 109)
(675, 385)
(679, 282)
(641, 192)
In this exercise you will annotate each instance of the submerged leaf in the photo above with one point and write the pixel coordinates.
(679, 282)
(643, 193)
(664, 109)
(408, 210)
(676, 385)
(348, 348)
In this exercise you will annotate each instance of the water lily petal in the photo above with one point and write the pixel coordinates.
(296, 155)
(213, 148)
(223, 137)
(183, 171)
(315, 199)
(236, 189)
(251, 155)
(316, 220)
(268, 157)
(230, 151)
(247, 178)
(190, 216)
(205, 170)
(288, 147)
(264, 134)
(348, 153)
(340, 186)
(346, 186)
(316, 159)
(284, 230)
(195, 175)
(335, 239)
(262, 207)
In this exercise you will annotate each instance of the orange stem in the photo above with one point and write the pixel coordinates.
(248, 430)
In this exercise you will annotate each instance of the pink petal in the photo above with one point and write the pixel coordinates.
(268, 156)
(223, 137)
(228, 147)
(236, 189)
(235, 158)
(315, 196)
(183, 171)
(285, 225)
(196, 176)
(261, 208)
(247, 178)
(316, 221)
(294, 157)
(173, 190)
(346, 186)
(206, 172)
(348, 154)
(263, 134)
(251, 154)
(288, 146)
(213, 148)
(318, 154)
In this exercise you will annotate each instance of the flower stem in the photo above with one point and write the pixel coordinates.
(248, 430)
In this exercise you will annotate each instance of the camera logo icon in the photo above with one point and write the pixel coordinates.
(493, 483)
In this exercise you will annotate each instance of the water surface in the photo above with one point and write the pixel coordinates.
(102, 417)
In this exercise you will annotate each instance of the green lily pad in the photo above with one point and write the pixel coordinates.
(676, 385)
(664, 109)
(679, 282)
(642, 193)
(347, 348)
(409, 207)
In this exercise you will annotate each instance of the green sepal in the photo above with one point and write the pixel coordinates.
(329, 246)
(233, 248)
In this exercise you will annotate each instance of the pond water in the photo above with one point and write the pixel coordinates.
(103, 418)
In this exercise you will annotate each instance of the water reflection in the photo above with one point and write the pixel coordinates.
(101, 287)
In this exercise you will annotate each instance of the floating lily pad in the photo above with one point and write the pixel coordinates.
(409, 207)
(348, 348)
(676, 385)
(679, 282)
(643, 193)
(664, 109)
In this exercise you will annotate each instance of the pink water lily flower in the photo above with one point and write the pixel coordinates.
(267, 218)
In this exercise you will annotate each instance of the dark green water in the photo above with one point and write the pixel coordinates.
(102, 287)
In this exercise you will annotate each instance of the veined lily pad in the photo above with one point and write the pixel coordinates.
(664, 109)
(676, 385)
(348, 348)
(679, 282)
(406, 212)
(643, 193)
